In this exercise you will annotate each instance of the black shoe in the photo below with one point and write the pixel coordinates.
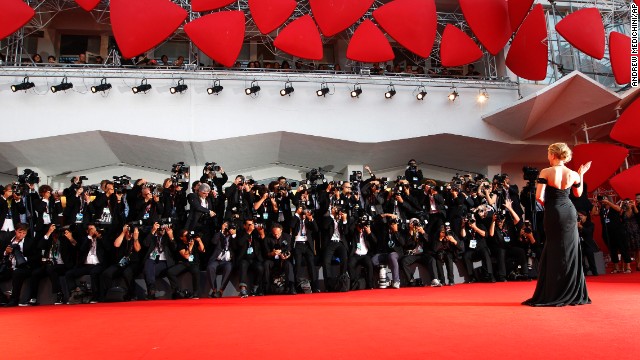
(292, 291)
(471, 280)
(151, 295)
(492, 279)
(59, 299)
(316, 291)
(11, 303)
(244, 293)
(217, 294)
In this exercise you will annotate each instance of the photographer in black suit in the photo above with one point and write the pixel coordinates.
(202, 216)
(11, 207)
(446, 247)
(413, 175)
(188, 252)
(418, 250)
(277, 253)
(222, 257)
(335, 245)
(390, 245)
(127, 248)
(20, 255)
(303, 229)
(503, 233)
(57, 258)
(160, 245)
(248, 255)
(362, 245)
(91, 260)
(475, 233)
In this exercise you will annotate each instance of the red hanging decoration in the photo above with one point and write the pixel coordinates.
(270, 14)
(584, 30)
(412, 23)
(457, 48)
(301, 38)
(334, 16)
(368, 44)
(219, 35)
(528, 53)
(14, 14)
(605, 160)
(620, 53)
(206, 5)
(140, 25)
(627, 128)
(518, 10)
(489, 20)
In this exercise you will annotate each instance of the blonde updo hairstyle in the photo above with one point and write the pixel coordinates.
(560, 151)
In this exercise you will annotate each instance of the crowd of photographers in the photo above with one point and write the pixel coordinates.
(271, 235)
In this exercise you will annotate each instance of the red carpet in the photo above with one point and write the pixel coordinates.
(477, 321)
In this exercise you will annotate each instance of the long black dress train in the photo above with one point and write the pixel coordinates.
(561, 279)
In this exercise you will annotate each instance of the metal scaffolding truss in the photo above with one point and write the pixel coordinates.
(615, 14)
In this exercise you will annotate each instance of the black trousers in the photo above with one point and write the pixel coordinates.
(216, 266)
(54, 272)
(253, 265)
(152, 271)
(591, 260)
(181, 267)
(128, 273)
(424, 259)
(445, 259)
(618, 245)
(92, 270)
(276, 266)
(302, 250)
(481, 253)
(518, 254)
(331, 249)
(364, 261)
(18, 277)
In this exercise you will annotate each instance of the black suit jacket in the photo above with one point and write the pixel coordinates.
(311, 229)
(242, 245)
(29, 248)
(67, 252)
(369, 240)
(198, 214)
(149, 243)
(271, 243)
(342, 228)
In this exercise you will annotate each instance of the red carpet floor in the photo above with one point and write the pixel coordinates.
(477, 321)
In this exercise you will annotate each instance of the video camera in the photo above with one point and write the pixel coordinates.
(121, 183)
(530, 173)
(211, 166)
(28, 177)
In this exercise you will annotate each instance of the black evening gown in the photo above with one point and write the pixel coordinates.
(561, 279)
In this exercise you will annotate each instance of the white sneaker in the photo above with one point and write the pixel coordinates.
(396, 285)
(435, 283)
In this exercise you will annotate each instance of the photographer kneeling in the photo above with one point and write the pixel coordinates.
(417, 250)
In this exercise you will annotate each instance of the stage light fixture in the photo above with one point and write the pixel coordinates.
(178, 88)
(453, 95)
(288, 89)
(104, 86)
(215, 89)
(253, 89)
(391, 91)
(357, 90)
(64, 85)
(422, 92)
(324, 90)
(483, 96)
(24, 85)
(143, 87)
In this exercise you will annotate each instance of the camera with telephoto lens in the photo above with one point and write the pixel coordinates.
(447, 229)
(600, 197)
(527, 227)
(416, 223)
(165, 222)
(17, 189)
(281, 246)
(501, 215)
(470, 218)
(82, 178)
(28, 177)
(364, 220)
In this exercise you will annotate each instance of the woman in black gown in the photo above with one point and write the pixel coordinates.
(561, 280)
